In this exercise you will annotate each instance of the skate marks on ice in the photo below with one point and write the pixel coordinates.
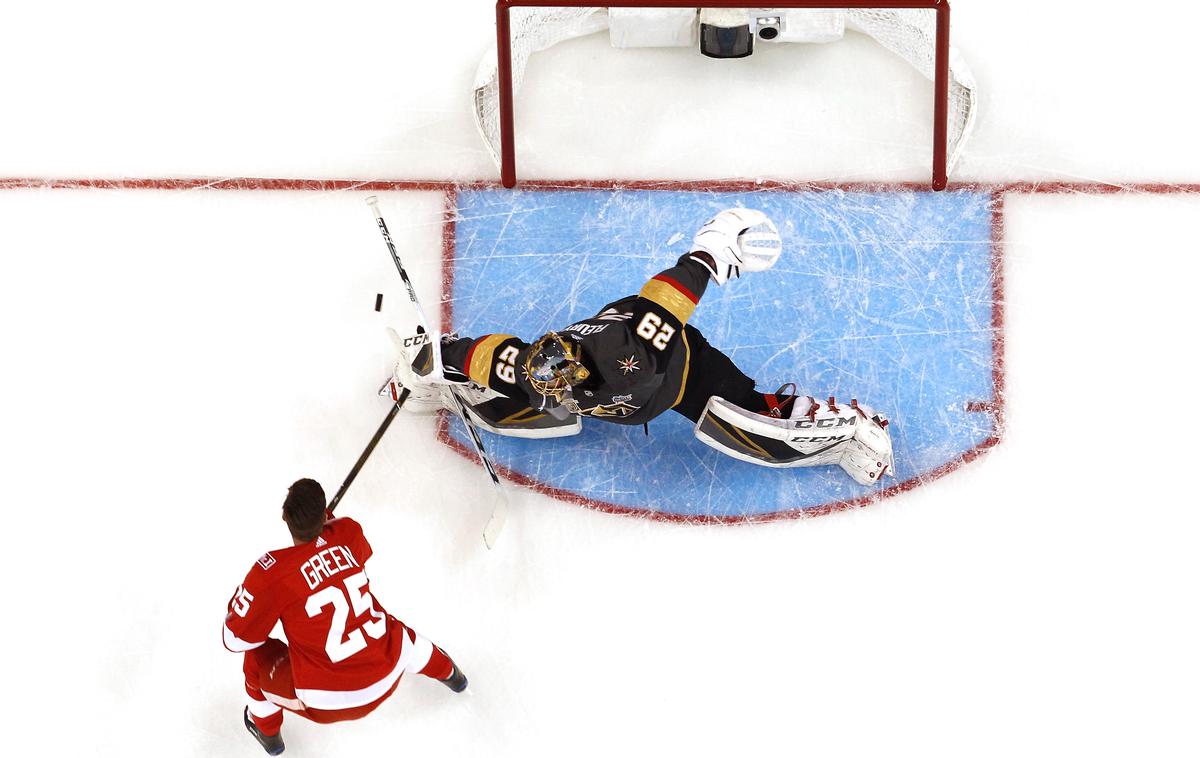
(885, 296)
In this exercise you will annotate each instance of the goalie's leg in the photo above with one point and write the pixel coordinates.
(711, 372)
(816, 433)
(780, 430)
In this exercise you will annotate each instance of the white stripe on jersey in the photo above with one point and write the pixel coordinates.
(413, 658)
(236, 645)
(264, 709)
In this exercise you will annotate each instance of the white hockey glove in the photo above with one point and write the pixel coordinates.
(423, 396)
(412, 371)
(736, 239)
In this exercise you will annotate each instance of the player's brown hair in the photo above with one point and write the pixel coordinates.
(304, 510)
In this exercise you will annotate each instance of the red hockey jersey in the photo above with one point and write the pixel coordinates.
(345, 649)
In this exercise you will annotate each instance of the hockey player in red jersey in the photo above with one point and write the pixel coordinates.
(344, 653)
(638, 357)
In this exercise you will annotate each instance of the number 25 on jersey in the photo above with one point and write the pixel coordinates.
(338, 644)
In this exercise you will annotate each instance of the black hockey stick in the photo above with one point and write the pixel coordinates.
(362, 459)
(495, 524)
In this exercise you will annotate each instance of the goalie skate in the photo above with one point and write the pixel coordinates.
(817, 434)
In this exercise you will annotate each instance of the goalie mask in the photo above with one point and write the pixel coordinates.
(554, 366)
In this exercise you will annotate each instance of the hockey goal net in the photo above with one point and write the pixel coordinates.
(917, 31)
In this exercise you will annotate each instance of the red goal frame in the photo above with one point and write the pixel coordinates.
(941, 83)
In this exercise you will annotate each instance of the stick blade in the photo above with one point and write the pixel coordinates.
(495, 524)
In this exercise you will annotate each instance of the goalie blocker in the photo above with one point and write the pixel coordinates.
(854, 437)
(489, 409)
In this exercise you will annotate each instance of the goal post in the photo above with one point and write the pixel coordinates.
(527, 26)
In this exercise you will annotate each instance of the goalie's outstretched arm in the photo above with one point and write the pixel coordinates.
(663, 306)
(732, 241)
(678, 289)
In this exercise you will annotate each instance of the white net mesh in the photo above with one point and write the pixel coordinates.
(531, 30)
(911, 34)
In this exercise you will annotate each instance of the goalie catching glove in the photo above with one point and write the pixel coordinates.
(735, 240)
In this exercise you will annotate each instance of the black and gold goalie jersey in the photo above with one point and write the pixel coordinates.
(635, 350)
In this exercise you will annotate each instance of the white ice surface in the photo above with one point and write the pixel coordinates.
(173, 360)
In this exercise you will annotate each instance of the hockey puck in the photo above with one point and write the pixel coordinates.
(378, 301)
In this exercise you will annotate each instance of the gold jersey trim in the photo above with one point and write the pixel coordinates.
(668, 295)
(480, 359)
(687, 364)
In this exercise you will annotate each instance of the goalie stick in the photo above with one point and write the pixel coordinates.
(495, 524)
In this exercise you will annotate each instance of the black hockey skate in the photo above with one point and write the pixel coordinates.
(457, 681)
(272, 743)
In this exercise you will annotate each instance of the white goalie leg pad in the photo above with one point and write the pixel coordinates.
(427, 399)
(527, 423)
(818, 433)
(868, 457)
(423, 399)
(815, 441)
